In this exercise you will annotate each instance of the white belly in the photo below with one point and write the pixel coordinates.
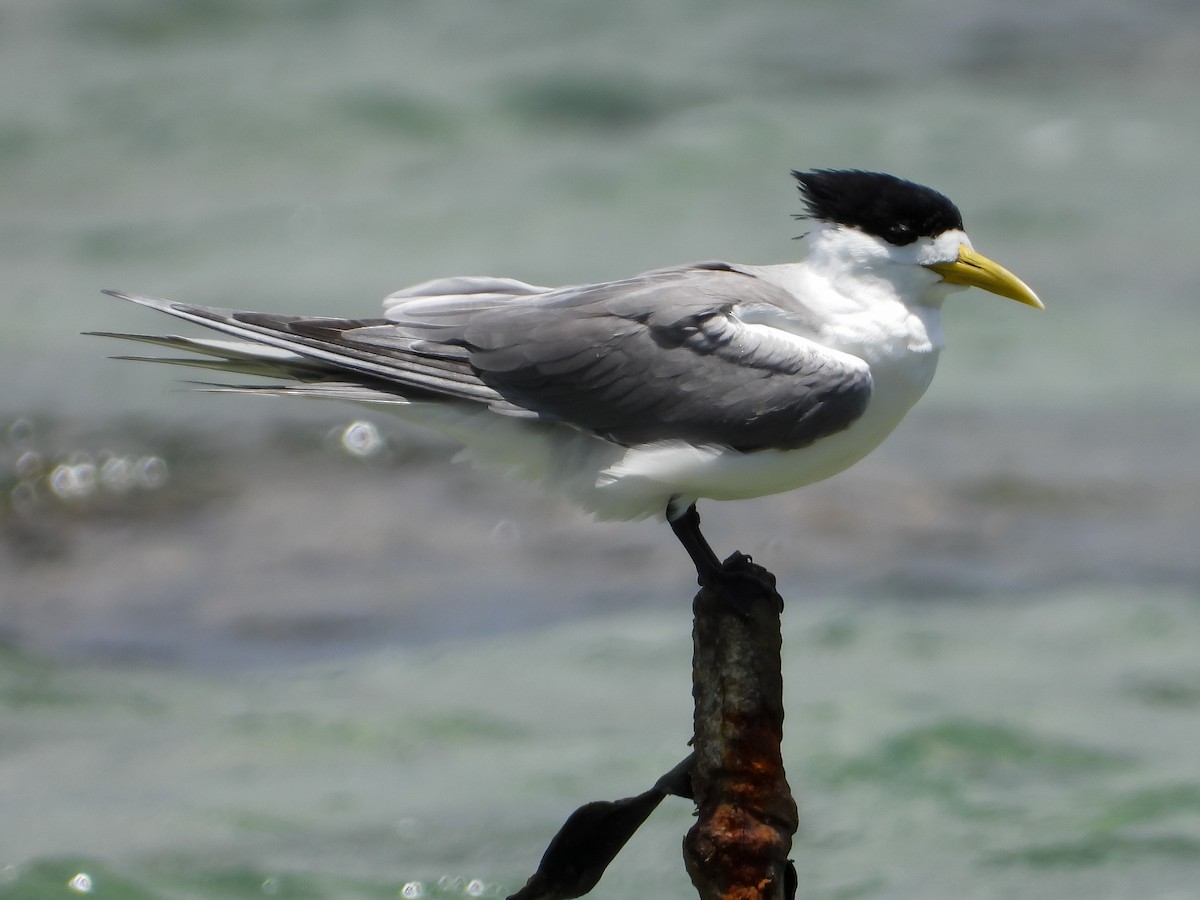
(615, 482)
(722, 474)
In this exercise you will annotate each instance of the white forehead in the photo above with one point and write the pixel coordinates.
(942, 248)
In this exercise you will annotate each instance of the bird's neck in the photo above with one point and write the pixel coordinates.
(881, 332)
(867, 316)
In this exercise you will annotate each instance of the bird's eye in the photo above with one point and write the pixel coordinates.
(901, 234)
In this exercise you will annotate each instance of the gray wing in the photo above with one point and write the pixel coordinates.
(657, 357)
(661, 356)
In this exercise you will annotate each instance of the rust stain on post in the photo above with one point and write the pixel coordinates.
(738, 848)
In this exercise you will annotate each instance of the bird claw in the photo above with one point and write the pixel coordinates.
(739, 584)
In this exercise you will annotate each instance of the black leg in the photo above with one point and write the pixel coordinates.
(687, 528)
(711, 572)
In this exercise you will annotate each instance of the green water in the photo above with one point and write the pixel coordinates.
(312, 157)
(1037, 749)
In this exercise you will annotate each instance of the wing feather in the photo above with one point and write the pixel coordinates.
(661, 356)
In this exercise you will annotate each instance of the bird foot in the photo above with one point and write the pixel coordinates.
(739, 584)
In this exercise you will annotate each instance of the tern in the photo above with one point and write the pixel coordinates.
(639, 397)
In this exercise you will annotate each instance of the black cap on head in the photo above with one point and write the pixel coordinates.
(896, 210)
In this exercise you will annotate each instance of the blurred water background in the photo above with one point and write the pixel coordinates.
(252, 648)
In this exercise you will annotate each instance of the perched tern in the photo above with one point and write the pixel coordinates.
(638, 397)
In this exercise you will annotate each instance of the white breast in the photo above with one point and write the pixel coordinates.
(898, 342)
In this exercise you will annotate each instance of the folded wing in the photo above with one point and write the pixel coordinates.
(662, 356)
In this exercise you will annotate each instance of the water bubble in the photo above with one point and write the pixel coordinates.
(362, 439)
(28, 465)
(270, 886)
(80, 883)
(506, 533)
(73, 482)
(20, 432)
(475, 888)
(116, 474)
(60, 480)
(151, 472)
(85, 477)
(412, 890)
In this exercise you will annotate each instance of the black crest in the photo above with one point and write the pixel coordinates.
(896, 210)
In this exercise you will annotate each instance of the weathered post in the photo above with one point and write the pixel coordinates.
(738, 848)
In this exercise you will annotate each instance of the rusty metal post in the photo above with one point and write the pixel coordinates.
(746, 817)
(738, 849)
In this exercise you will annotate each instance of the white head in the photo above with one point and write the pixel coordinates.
(871, 224)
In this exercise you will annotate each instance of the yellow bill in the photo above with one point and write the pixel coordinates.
(977, 270)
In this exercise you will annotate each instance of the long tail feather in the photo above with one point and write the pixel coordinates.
(311, 350)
